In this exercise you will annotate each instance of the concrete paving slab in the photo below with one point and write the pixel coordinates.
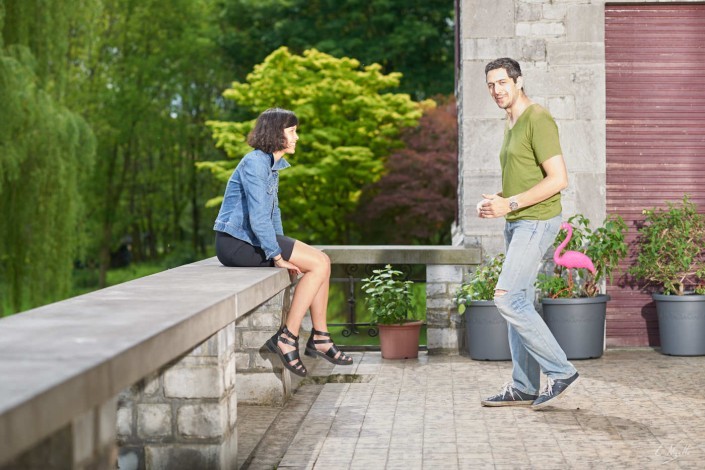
(634, 408)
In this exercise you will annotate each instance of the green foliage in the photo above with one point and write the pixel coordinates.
(347, 128)
(143, 76)
(414, 37)
(46, 154)
(152, 76)
(481, 285)
(389, 298)
(671, 248)
(416, 200)
(605, 246)
(555, 286)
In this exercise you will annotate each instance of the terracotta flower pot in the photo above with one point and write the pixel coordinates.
(400, 341)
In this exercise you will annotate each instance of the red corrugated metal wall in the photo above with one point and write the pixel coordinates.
(655, 60)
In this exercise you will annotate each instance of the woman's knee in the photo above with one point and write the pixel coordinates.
(311, 259)
(324, 262)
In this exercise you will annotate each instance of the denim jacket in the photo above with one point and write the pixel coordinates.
(250, 208)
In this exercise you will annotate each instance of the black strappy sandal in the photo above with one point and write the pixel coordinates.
(272, 344)
(329, 355)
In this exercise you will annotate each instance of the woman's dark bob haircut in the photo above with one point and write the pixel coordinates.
(268, 134)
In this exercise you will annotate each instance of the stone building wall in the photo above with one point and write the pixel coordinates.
(560, 46)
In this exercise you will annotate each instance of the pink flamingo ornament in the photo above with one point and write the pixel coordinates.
(571, 259)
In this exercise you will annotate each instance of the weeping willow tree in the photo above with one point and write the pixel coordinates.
(45, 148)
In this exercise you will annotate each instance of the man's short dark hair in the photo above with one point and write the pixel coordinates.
(510, 65)
(268, 134)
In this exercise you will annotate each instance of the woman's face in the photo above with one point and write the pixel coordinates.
(291, 138)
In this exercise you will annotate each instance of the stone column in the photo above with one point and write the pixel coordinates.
(445, 330)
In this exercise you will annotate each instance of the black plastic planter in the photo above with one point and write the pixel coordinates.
(486, 332)
(681, 323)
(578, 324)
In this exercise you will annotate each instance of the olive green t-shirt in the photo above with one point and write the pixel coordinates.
(532, 141)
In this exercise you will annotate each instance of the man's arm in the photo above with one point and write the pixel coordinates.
(555, 181)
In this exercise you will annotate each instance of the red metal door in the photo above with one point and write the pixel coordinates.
(655, 61)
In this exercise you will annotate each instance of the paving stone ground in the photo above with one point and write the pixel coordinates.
(633, 408)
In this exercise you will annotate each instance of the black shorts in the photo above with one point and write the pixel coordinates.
(234, 252)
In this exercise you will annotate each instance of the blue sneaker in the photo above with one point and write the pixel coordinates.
(509, 396)
(554, 391)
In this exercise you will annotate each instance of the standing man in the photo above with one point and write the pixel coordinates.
(533, 175)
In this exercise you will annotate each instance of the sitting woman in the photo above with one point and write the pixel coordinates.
(249, 233)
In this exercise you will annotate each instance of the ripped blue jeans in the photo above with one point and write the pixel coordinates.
(533, 346)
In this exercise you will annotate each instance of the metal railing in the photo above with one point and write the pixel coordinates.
(351, 264)
(351, 275)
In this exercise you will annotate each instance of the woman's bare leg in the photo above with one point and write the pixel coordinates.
(311, 293)
(312, 289)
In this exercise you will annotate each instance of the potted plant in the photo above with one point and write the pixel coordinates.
(671, 256)
(573, 300)
(485, 328)
(390, 303)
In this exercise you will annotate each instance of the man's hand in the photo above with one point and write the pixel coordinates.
(492, 206)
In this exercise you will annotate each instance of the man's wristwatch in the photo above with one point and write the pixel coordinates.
(513, 204)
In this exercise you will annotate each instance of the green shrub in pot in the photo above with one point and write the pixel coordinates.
(485, 328)
(671, 257)
(389, 297)
(671, 248)
(391, 307)
(577, 316)
(605, 246)
(481, 285)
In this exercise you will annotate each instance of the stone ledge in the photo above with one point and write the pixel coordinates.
(63, 359)
(401, 254)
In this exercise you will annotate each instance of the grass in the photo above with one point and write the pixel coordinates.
(86, 281)
(361, 338)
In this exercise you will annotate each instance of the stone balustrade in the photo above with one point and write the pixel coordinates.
(445, 268)
(150, 371)
(150, 364)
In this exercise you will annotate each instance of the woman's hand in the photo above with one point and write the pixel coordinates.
(282, 263)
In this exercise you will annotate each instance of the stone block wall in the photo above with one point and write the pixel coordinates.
(261, 379)
(184, 416)
(560, 46)
(445, 329)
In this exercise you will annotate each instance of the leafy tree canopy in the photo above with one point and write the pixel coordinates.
(415, 202)
(414, 37)
(347, 128)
